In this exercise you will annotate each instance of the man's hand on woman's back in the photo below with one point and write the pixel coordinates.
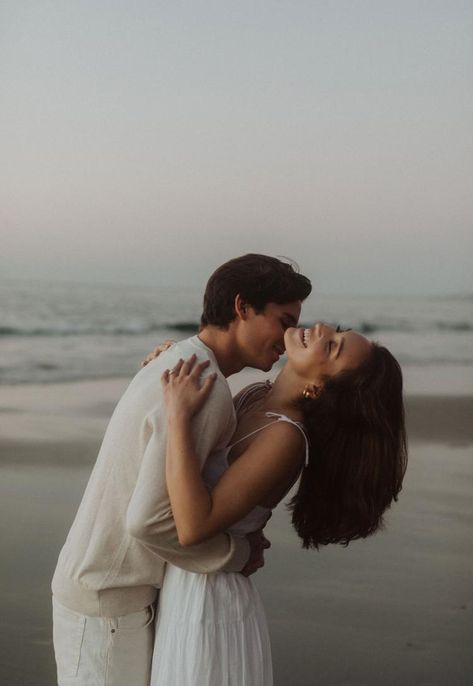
(258, 544)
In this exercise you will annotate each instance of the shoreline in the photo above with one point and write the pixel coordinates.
(76, 414)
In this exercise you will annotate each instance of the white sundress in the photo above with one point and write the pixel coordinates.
(211, 629)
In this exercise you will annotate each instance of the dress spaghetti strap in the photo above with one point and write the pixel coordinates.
(280, 418)
(300, 426)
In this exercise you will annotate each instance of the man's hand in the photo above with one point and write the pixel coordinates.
(258, 544)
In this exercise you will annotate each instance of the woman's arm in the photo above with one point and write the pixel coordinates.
(270, 463)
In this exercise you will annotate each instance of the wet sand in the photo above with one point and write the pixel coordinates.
(396, 609)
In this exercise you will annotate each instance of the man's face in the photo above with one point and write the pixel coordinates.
(262, 335)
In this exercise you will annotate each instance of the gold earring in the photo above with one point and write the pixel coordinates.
(307, 393)
(311, 392)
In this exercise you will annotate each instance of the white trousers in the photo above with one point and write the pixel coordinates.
(102, 651)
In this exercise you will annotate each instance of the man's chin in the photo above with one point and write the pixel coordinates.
(262, 366)
(267, 366)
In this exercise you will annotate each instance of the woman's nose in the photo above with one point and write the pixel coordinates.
(329, 330)
(321, 329)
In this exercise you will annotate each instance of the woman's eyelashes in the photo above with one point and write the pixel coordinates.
(339, 329)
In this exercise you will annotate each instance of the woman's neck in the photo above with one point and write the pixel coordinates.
(284, 394)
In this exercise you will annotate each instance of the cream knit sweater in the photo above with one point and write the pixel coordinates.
(113, 560)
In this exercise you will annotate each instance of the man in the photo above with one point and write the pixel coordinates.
(112, 563)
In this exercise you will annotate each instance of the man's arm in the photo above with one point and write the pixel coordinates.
(149, 516)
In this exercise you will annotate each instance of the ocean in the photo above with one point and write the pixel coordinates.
(56, 332)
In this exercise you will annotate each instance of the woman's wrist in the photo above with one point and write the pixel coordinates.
(179, 418)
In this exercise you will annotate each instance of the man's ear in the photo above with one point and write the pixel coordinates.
(241, 308)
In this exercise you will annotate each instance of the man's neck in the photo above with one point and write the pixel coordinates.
(221, 342)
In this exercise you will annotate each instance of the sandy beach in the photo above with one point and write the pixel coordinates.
(395, 610)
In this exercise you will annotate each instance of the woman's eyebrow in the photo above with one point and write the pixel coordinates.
(340, 348)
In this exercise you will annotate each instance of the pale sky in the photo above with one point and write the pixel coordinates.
(147, 141)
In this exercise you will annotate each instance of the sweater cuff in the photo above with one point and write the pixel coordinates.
(240, 553)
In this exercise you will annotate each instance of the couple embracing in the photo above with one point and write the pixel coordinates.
(186, 479)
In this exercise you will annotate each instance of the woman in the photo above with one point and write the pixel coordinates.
(335, 416)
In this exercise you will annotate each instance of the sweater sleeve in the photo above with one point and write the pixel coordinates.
(149, 516)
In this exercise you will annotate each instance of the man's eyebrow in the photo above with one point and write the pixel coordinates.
(340, 348)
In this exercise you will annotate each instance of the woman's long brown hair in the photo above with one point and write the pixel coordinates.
(358, 453)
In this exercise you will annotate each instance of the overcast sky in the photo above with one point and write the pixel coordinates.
(147, 142)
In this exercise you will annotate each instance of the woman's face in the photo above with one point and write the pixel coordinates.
(322, 351)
